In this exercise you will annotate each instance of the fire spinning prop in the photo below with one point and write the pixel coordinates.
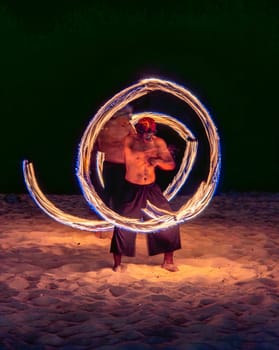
(159, 219)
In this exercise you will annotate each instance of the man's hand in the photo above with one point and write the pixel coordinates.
(153, 161)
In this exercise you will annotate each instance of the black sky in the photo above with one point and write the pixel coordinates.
(60, 61)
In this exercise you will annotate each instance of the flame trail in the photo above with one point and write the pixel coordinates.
(159, 219)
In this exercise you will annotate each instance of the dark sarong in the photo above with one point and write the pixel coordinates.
(135, 198)
(114, 181)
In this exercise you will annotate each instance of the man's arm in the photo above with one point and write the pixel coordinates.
(108, 138)
(128, 141)
(164, 158)
(131, 129)
(99, 142)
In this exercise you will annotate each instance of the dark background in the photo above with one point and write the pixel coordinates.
(60, 61)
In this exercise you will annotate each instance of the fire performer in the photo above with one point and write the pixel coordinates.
(143, 152)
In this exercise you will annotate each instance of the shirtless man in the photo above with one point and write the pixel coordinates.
(111, 142)
(143, 152)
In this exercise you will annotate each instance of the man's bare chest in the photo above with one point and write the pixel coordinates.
(144, 147)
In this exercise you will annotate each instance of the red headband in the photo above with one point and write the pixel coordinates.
(146, 124)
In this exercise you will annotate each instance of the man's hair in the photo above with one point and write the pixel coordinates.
(146, 125)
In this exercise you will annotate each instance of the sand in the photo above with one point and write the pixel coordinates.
(58, 290)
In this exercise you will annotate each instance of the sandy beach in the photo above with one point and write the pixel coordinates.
(58, 290)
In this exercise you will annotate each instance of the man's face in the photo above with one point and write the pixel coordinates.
(146, 128)
(147, 136)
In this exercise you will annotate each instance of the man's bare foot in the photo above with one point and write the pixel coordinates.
(119, 268)
(170, 267)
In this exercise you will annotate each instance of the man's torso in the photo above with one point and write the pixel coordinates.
(138, 168)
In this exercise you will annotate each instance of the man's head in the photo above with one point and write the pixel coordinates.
(146, 127)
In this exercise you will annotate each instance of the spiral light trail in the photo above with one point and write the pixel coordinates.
(159, 219)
